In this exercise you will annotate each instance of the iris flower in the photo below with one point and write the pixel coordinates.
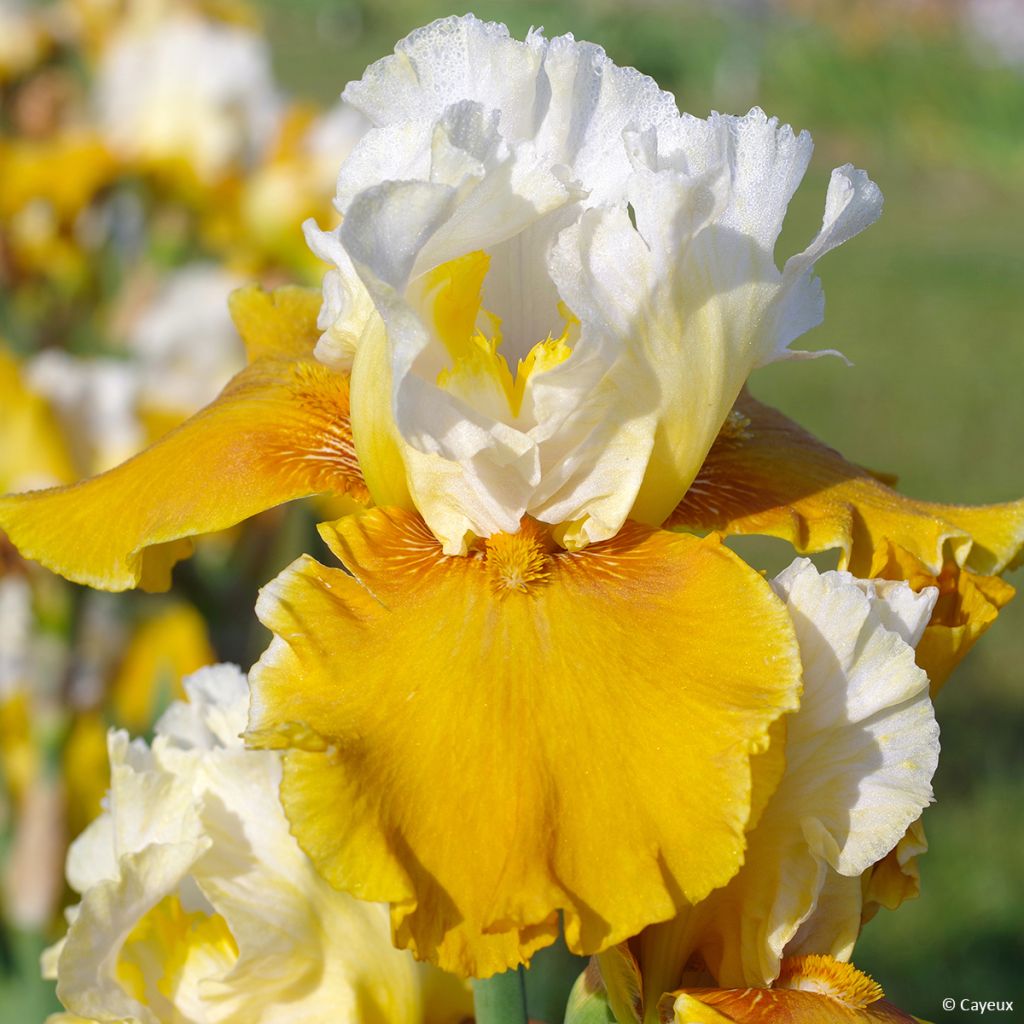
(197, 904)
(533, 690)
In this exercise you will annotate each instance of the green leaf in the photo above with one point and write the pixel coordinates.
(500, 999)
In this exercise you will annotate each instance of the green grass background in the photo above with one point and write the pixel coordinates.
(929, 306)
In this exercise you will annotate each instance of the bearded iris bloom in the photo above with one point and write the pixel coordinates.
(532, 690)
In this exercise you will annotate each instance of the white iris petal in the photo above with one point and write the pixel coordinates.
(639, 241)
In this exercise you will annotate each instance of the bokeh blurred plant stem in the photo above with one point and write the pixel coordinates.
(501, 999)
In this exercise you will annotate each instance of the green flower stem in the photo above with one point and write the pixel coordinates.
(500, 999)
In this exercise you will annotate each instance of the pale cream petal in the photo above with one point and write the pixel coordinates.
(860, 753)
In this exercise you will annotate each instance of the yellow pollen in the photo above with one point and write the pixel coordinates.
(832, 978)
(518, 561)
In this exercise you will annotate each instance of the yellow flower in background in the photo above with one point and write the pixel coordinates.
(198, 904)
(163, 650)
(33, 452)
(546, 296)
(294, 183)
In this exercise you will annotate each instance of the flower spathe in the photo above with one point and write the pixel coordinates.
(198, 905)
(573, 281)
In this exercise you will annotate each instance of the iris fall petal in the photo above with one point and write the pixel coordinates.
(454, 755)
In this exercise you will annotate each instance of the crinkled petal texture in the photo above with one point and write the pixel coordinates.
(572, 281)
(198, 905)
(457, 725)
(810, 990)
(860, 754)
(767, 475)
(278, 431)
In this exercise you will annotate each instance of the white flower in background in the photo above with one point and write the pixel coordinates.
(198, 905)
(184, 340)
(330, 139)
(188, 89)
(95, 400)
(997, 26)
(23, 38)
(534, 195)
(15, 631)
(859, 758)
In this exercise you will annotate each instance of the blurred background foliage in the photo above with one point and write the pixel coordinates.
(928, 305)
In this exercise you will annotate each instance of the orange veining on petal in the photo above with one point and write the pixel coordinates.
(766, 475)
(319, 446)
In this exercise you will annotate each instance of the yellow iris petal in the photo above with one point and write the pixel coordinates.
(280, 323)
(278, 431)
(810, 990)
(896, 876)
(766, 475)
(458, 728)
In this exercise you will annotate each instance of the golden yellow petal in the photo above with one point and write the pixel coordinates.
(896, 876)
(278, 431)
(968, 604)
(766, 475)
(460, 728)
(810, 990)
(280, 323)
